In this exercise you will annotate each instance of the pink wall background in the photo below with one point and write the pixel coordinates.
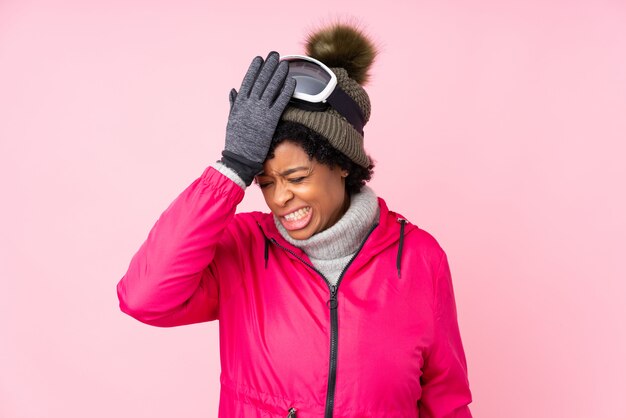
(499, 127)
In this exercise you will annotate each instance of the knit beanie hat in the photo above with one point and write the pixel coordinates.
(349, 54)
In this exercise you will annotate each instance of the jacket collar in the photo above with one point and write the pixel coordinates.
(386, 233)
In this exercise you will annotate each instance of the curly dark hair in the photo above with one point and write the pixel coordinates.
(318, 147)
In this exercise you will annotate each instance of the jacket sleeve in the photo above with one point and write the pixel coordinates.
(169, 281)
(445, 386)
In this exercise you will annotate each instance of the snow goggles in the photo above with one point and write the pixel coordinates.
(317, 89)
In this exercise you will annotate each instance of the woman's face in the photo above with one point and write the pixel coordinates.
(306, 196)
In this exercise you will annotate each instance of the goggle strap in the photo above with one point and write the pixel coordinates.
(311, 107)
(348, 108)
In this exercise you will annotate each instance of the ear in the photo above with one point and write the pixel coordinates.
(344, 173)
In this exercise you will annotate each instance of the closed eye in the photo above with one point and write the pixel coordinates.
(297, 180)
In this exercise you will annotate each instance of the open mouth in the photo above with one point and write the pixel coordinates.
(297, 219)
(297, 215)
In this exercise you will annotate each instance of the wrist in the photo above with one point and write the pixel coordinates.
(244, 168)
(231, 174)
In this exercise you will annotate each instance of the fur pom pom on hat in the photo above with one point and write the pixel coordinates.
(349, 53)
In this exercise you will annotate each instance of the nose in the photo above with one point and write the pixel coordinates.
(282, 194)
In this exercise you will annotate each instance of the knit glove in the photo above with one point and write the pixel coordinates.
(254, 114)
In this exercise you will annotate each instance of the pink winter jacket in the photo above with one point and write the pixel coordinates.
(383, 343)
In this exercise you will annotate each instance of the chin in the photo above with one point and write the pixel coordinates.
(302, 234)
(299, 235)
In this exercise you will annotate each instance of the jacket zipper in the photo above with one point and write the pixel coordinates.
(334, 323)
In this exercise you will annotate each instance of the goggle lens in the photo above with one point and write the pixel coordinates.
(310, 78)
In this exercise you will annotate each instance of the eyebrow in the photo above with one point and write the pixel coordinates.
(287, 172)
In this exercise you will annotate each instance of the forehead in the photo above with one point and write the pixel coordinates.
(287, 155)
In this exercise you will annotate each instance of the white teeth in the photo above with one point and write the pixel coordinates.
(297, 215)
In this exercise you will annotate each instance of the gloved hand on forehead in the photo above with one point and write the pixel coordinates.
(254, 114)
